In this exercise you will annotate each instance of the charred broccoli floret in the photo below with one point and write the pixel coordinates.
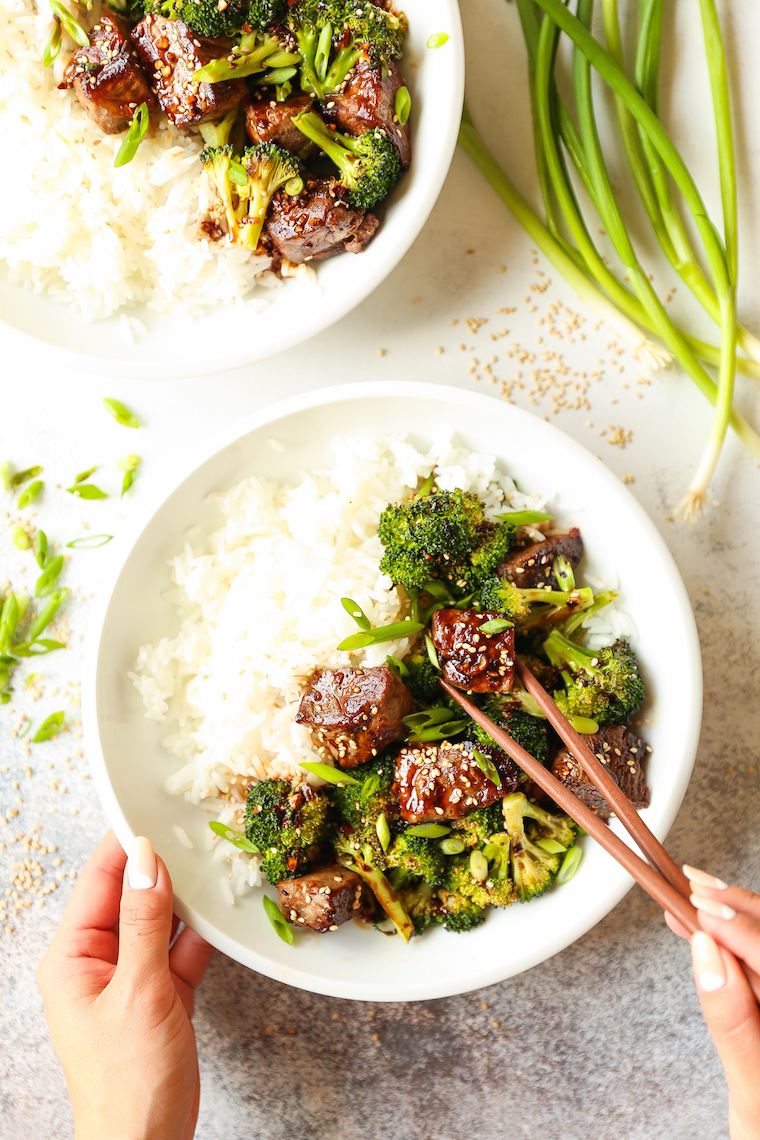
(526, 730)
(267, 169)
(477, 826)
(533, 867)
(418, 857)
(483, 876)
(442, 535)
(217, 163)
(604, 685)
(368, 165)
(285, 822)
(264, 14)
(457, 913)
(359, 808)
(333, 35)
(204, 17)
(422, 677)
(420, 902)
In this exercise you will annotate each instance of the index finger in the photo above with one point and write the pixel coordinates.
(96, 898)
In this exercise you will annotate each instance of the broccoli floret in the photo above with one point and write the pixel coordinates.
(284, 822)
(267, 169)
(502, 597)
(420, 902)
(604, 685)
(459, 914)
(361, 808)
(332, 36)
(204, 17)
(533, 868)
(422, 678)
(475, 828)
(263, 14)
(526, 730)
(217, 163)
(418, 857)
(495, 890)
(441, 535)
(369, 165)
(543, 825)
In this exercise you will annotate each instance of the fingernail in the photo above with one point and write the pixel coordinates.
(711, 906)
(142, 871)
(702, 879)
(708, 964)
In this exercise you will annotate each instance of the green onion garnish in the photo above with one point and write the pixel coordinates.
(428, 830)
(524, 518)
(553, 846)
(48, 577)
(332, 775)
(5, 475)
(128, 480)
(383, 831)
(40, 548)
(234, 837)
(382, 633)
(486, 766)
(30, 680)
(496, 625)
(369, 787)
(452, 846)
(121, 414)
(49, 728)
(138, 129)
(570, 865)
(29, 494)
(37, 648)
(21, 539)
(9, 616)
(438, 40)
(282, 929)
(87, 491)
(24, 732)
(403, 104)
(89, 541)
(356, 612)
(52, 48)
(84, 475)
(70, 25)
(24, 476)
(432, 653)
(47, 613)
(397, 667)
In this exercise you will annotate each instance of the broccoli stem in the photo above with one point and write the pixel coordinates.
(336, 147)
(307, 41)
(561, 651)
(580, 616)
(346, 58)
(385, 895)
(267, 54)
(557, 613)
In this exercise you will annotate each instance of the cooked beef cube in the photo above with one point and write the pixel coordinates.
(368, 101)
(622, 754)
(471, 660)
(317, 224)
(324, 900)
(444, 781)
(532, 566)
(268, 121)
(171, 54)
(107, 77)
(355, 713)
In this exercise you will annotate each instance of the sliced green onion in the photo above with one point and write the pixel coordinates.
(403, 104)
(428, 830)
(30, 680)
(570, 865)
(83, 475)
(40, 548)
(275, 78)
(383, 831)
(120, 413)
(25, 731)
(237, 173)
(553, 846)
(584, 724)
(397, 667)
(127, 462)
(332, 775)
(563, 572)
(47, 613)
(87, 491)
(281, 928)
(21, 539)
(48, 577)
(382, 633)
(369, 787)
(138, 129)
(478, 866)
(128, 480)
(354, 610)
(438, 40)
(70, 25)
(486, 766)
(24, 476)
(322, 54)
(52, 48)
(524, 518)
(232, 836)
(49, 728)
(37, 648)
(9, 616)
(89, 541)
(432, 653)
(29, 494)
(452, 846)
(5, 475)
(496, 625)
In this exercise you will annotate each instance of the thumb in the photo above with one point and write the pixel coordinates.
(145, 915)
(731, 1013)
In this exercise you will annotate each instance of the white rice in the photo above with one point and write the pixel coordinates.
(91, 235)
(259, 608)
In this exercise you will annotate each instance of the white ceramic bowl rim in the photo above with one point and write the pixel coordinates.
(620, 882)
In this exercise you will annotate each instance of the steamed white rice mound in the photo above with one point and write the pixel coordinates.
(260, 608)
(91, 235)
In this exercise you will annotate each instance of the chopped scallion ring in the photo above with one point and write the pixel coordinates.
(438, 40)
(403, 105)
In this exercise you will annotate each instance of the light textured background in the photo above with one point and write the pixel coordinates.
(606, 1039)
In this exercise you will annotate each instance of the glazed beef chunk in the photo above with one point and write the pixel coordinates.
(324, 900)
(269, 121)
(171, 54)
(107, 77)
(532, 565)
(317, 224)
(444, 781)
(622, 753)
(368, 101)
(471, 660)
(355, 713)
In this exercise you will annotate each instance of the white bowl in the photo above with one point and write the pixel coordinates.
(130, 766)
(231, 336)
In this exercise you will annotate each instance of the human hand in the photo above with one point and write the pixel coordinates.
(726, 962)
(118, 1002)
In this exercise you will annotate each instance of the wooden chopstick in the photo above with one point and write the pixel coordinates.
(599, 776)
(647, 877)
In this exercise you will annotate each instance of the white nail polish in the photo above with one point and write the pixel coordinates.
(712, 907)
(142, 871)
(703, 879)
(708, 964)
(711, 982)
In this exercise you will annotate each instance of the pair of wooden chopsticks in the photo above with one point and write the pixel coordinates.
(663, 880)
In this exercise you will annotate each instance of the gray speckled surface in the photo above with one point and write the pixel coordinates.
(606, 1039)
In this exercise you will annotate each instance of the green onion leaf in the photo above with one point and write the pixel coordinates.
(584, 724)
(332, 775)
(383, 831)
(282, 929)
(436, 715)
(87, 491)
(29, 494)
(47, 613)
(570, 865)
(438, 40)
(357, 641)
(233, 837)
(452, 846)
(70, 25)
(524, 518)
(89, 541)
(397, 667)
(436, 590)
(553, 846)
(49, 728)
(30, 680)
(478, 866)
(237, 173)
(80, 478)
(138, 129)
(382, 633)
(369, 787)
(37, 648)
(48, 577)
(24, 476)
(21, 539)
(432, 653)
(24, 732)
(5, 475)
(486, 766)
(403, 104)
(52, 48)
(496, 625)
(9, 616)
(428, 830)
(127, 481)
(127, 463)
(563, 572)
(40, 548)
(356, 612)
(121, 414)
